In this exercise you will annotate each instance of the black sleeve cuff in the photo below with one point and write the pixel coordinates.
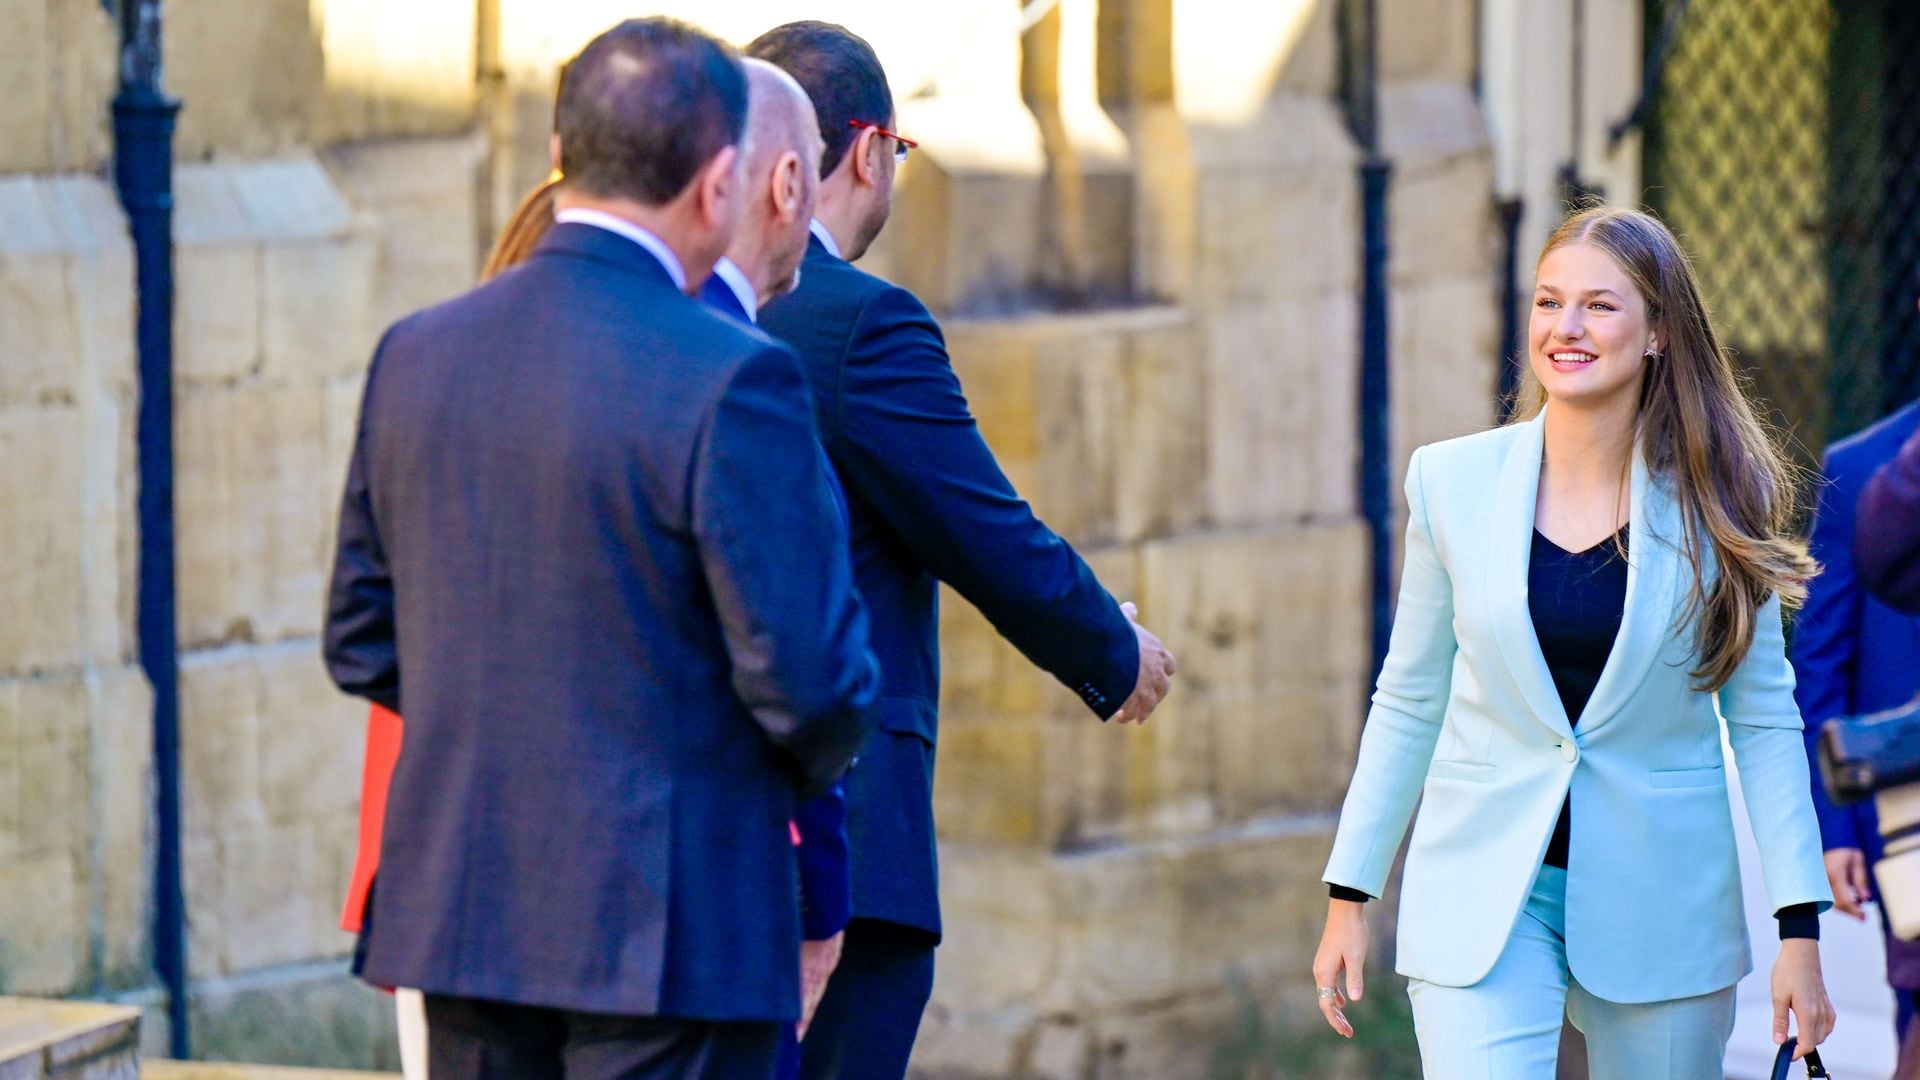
(1341, 892)
(1799, 921)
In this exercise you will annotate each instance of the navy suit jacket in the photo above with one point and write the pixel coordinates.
(929, 504)
(1889, 547)
(820, 824)
(588, 550)
(1852, 654)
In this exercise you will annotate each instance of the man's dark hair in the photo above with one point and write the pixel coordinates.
(839, 71)
(645, 106)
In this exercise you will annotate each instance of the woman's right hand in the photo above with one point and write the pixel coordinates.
(1340, 961)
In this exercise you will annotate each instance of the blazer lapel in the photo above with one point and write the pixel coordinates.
(1509, 551)
(1654, 554)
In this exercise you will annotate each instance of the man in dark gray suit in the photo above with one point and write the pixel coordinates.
(588, 548)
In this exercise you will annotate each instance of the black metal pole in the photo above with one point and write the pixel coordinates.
(1360, 89)
(1512, 354)
(143, 126)
(1376, 402)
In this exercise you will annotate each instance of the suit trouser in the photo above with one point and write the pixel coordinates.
(1507, 1025)
(867, 1020)
(470, 1039)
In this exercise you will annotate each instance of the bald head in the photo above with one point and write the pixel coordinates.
(780, 118)
(782, 150)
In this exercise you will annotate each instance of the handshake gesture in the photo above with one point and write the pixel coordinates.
(1157, 668)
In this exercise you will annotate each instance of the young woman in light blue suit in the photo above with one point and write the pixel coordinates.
(1580, 589)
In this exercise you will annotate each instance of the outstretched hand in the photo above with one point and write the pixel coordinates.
(1157, 668)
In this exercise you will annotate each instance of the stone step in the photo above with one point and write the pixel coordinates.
(164, 1069)
(68, 1040)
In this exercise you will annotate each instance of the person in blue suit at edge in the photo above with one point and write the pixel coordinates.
(782, 162)
(1854, 655)
(1580, 588)
(596, 511)
(928, 504)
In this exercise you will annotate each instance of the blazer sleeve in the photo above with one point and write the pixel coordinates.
(1888, 549)
(1764, 728)
(359, 642)
(908, 445)
(775, 556)
(826, 885)
(1409, 705)
(1826, 644)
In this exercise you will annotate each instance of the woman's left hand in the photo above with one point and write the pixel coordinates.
(1798, 987)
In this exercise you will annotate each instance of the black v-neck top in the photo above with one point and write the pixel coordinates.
(1576, 599)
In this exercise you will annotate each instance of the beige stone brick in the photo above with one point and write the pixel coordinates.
(122, 783)
(99, 278)
(38, 329)
(1282, 409)
(43, 940)
(1445, 356)
(57, 75)
(1269, 632)
(972, 232)
(250, 529)
(271, 770)
(1163, 445)
(310, 738)
(1440, 216)
(220, 748)
(397, 69)
(217, 265)
(1264, 231)
(49, 750)
(1420, 39)
(1104, 412)
(317, 302)
(288, 198)
(272, 903)
(252, 71)
(41, 581)
(425, 194)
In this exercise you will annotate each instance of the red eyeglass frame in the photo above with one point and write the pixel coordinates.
(894, 135)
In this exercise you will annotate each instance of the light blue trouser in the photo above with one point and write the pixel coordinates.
(1507, 1025)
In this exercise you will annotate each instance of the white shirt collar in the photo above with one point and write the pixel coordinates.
(735, 278)
(603, 220)
(826, 238)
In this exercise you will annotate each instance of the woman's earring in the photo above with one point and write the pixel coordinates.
(1651, 355)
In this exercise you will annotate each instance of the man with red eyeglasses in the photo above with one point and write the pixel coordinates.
(928, 503)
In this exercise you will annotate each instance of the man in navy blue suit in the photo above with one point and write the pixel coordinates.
(928, 504)
(589, 549)
(781, 152)
(1852, 654)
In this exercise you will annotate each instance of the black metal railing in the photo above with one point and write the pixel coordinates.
(1783, 146)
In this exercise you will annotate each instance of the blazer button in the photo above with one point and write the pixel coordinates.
(1569, 752)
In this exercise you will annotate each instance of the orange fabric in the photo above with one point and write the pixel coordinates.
(383, 750)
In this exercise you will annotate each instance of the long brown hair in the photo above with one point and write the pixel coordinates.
(1698, 431)
(526, 226)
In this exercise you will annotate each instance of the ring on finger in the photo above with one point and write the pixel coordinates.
(1327, 993)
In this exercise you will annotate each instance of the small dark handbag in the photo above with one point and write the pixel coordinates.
(1783, 1062)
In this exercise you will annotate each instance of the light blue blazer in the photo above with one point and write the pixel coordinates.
(1467, 721)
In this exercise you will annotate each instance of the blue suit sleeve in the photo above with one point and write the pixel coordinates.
(826, 885)
(1826, 642)
(775, 555)
(359, 642)
(908, 445)
(1888, 549)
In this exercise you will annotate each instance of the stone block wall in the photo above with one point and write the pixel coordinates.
(1116, 897)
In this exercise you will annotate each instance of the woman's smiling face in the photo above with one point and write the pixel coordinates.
(1590, 332)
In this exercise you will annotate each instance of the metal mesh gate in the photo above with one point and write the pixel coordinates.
(1783, 146)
